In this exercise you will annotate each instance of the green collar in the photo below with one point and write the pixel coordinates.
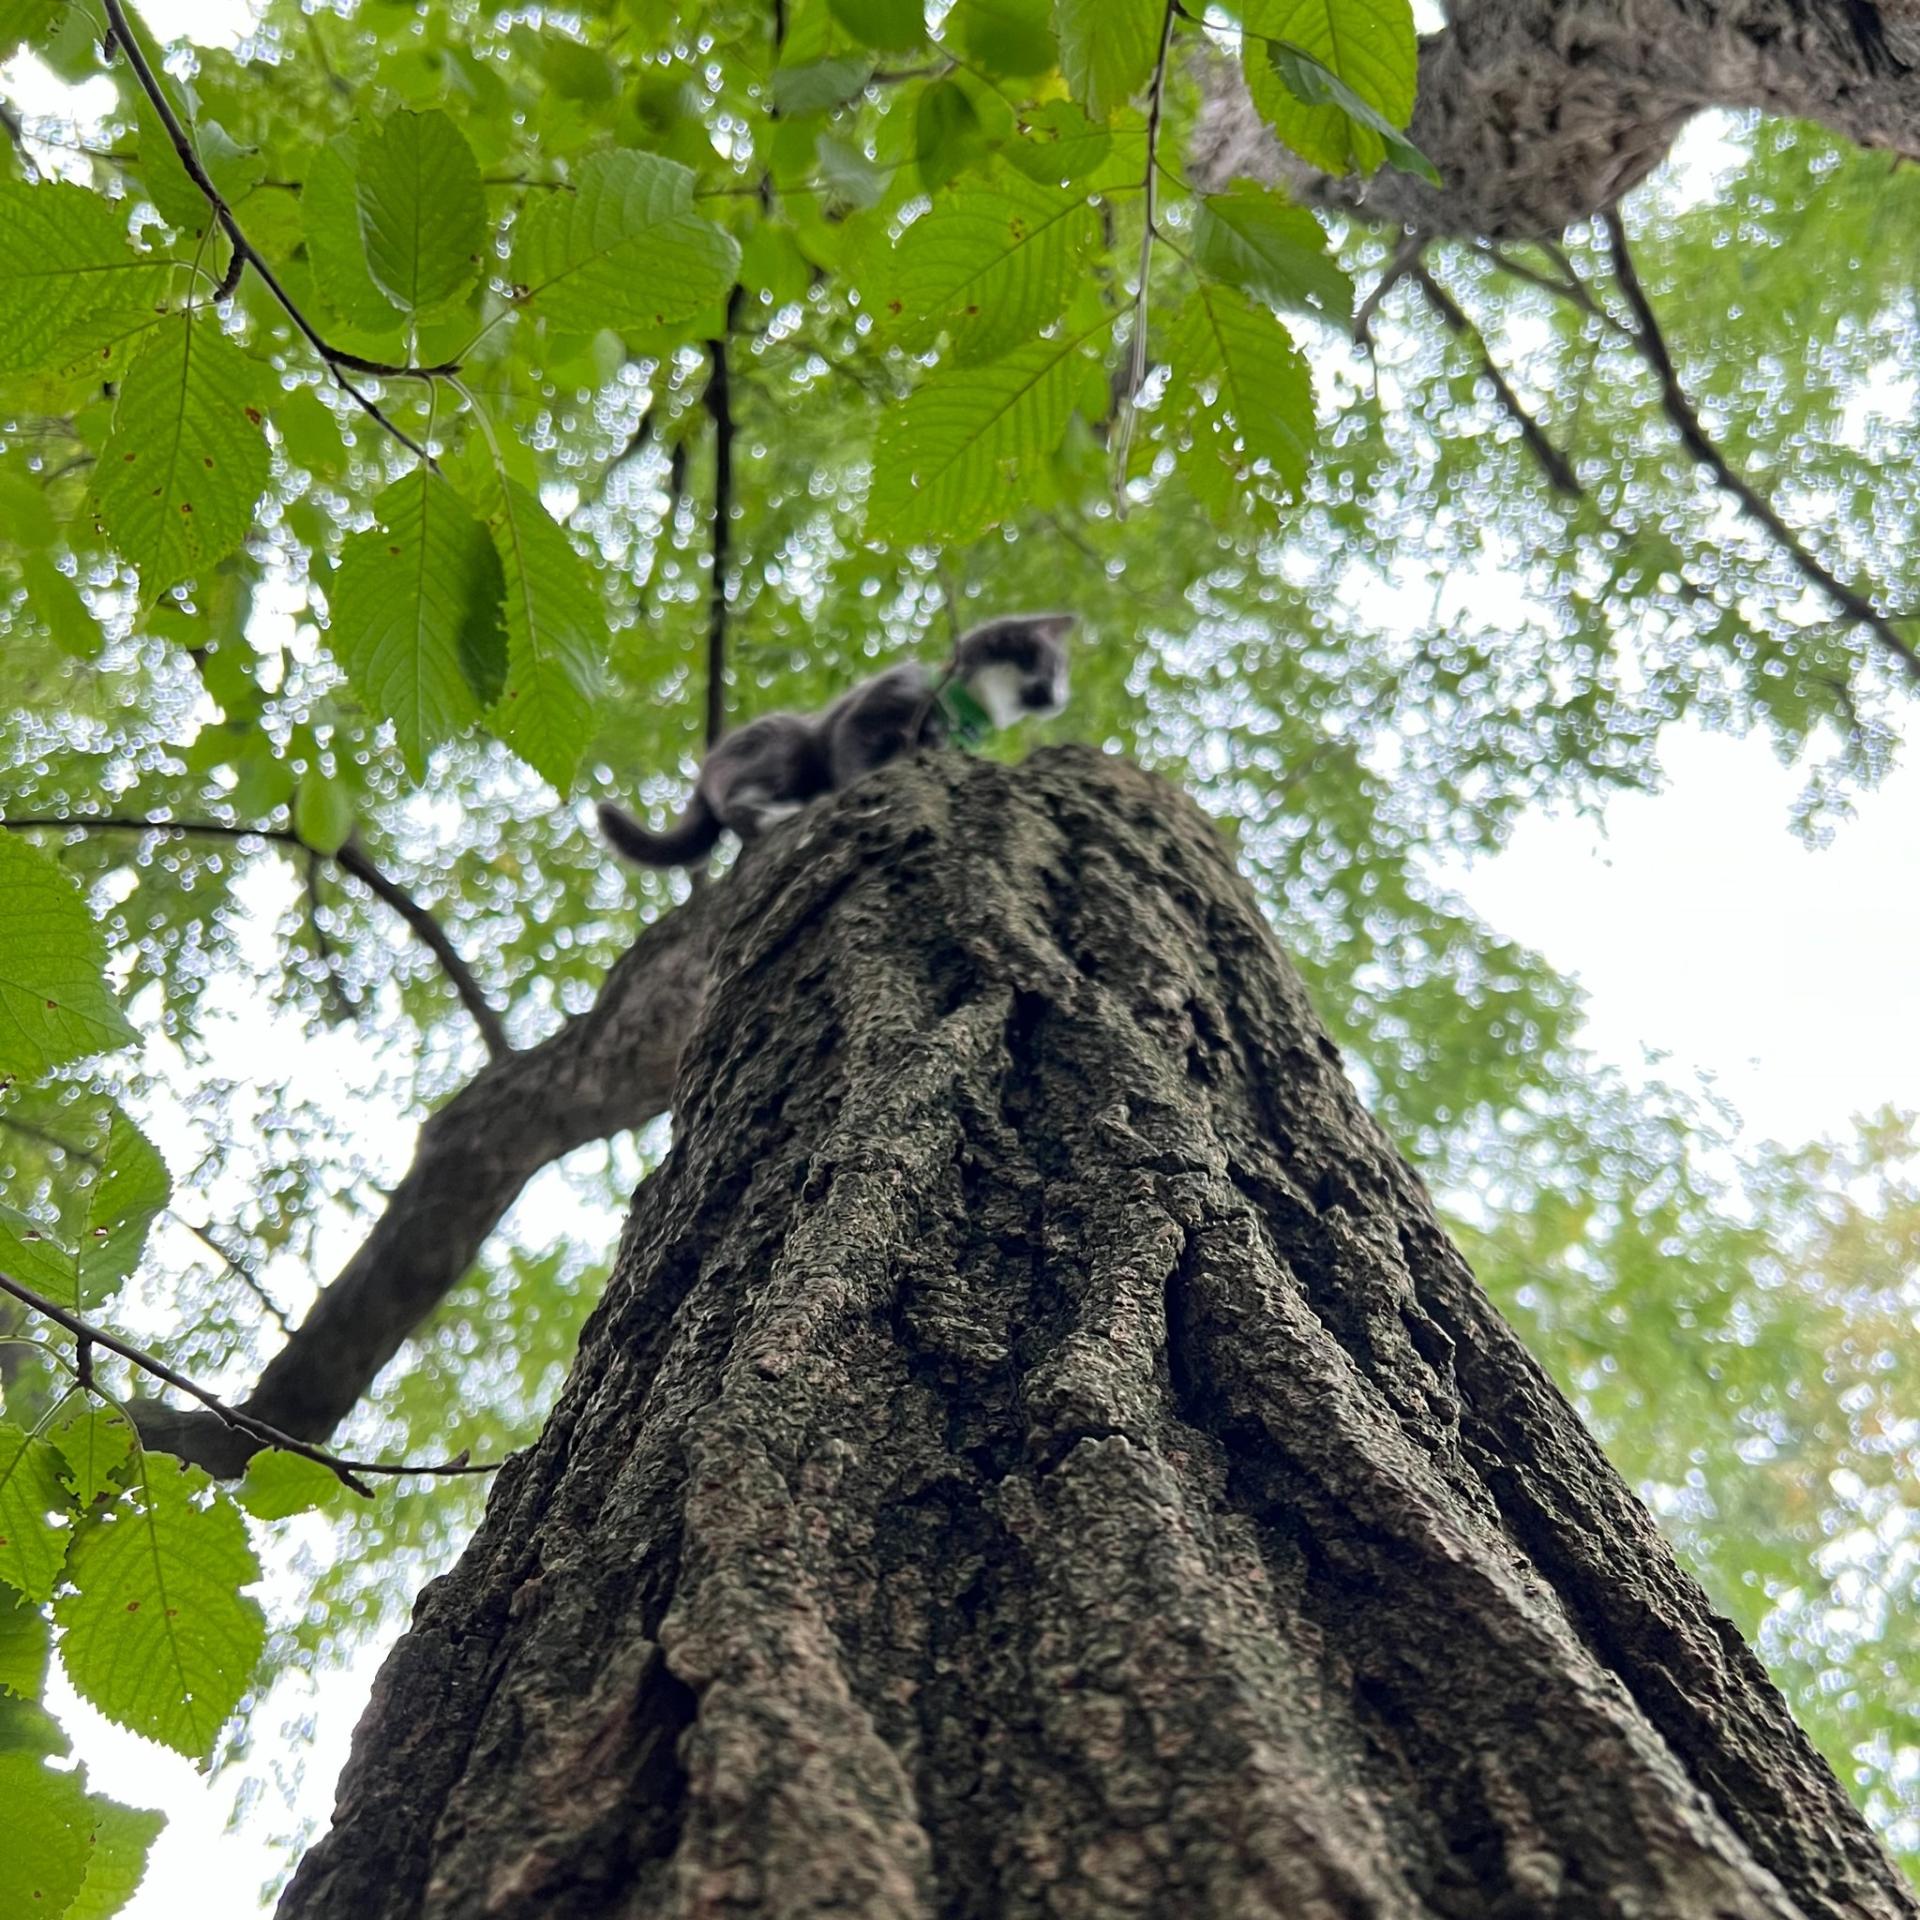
(968, 722)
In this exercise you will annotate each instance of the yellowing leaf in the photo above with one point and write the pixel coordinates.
(186, 460)
(1367, 45)
(54, 1002)
(32, 1546)
(624, 248)
(157, 1634)
(556, 639)
(423, 211)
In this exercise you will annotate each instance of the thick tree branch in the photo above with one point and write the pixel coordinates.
(606, 1071)
(1681, 411)
(1558, 469)
(1539, 114)
(336, 359)
(350, 859)
(91, 1335)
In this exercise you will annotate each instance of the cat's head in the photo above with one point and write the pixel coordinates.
(1016, 666)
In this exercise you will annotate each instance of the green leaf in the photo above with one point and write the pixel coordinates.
(186, 460)
(1058, 144)
(1013, 38)
(35, 1258)
(1309, 81)
(279, 1484)
(57, 605)
(129, 1187)
(989, 266)
(26, 1643)
(32, 1548)
(48, 1827)
(322, 810)
(891, 24)
(232, 168)
(941, 461)
(1108, 49)
(330, 218)
(947, 134)
(116, 1857)
(96, 1442)
(1253, 239)
(623, 249)
(416, 615)
(157, 1634)
(24, 20)
(815, 85)
(54, 1003)
(71, 283)
(1366, 45)
(556, 639)
(1247, 387)
(423, 211)
(27, 1727)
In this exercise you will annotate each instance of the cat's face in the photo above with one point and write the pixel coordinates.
(1016, 667)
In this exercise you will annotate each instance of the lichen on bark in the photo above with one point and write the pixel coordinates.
(1038, 1454)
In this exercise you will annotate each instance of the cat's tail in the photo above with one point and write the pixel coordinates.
(692, 835)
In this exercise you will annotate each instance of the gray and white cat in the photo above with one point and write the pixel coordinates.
(770, 768)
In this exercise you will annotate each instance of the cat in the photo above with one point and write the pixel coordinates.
(767, 770)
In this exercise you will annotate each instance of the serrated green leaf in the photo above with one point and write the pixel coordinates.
(1247, 387)
(1013, 38)
(279, 1484)
(556, 639)
(417, 615)
(157, 1634)
(186, 461)
(330, 218)
(26, 1643)
(32, 1547)
(54, 1001)
(1108, 49)
(96, 1443)
(947, 134)
(1058, 144)
(1310, 82)
(129, 1187)
(35, 1258)
(70, 280)
(56, 604)
(322, 811)
(890, 24)
(989, 266)
(1366, 45)
(116, 1857)
(423, 211)
(815, 85)
(942, 459)
(623, 249)
(27, 1727)
(48, 1826)
(1254, 240)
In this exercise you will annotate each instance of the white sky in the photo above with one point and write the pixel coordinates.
(1701, 930)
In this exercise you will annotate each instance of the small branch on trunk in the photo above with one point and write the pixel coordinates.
(348, 1471)
(337, 360)
(1686, 420)
(350, 859)
(1558, 470)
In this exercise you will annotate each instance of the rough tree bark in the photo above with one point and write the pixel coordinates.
(1539, 113)
(1039, 1455)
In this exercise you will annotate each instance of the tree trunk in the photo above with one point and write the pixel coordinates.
(1538, 113)
(1038, 1455)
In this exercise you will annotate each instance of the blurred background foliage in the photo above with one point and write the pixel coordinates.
(1432, 642)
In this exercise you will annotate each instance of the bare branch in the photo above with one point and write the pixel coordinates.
(90, 1336)
(1395, 270)
(1558, 469)
(1681, 411)
(350, 859)
(337, 360)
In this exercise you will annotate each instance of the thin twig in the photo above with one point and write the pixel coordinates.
(89, 1336)
(1137, 352)
(719, 405)
(350, 859)
(336, 359)
(1398, 263)
(1573, 289)
(1558, 470)
(1686, 421)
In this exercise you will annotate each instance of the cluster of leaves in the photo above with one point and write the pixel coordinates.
(987, 348)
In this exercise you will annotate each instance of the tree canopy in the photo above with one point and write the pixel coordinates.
(415, 422)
